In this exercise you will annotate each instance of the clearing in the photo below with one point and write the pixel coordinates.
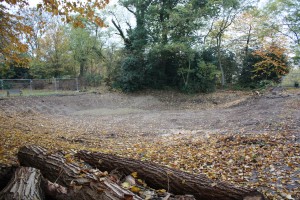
(238, 137)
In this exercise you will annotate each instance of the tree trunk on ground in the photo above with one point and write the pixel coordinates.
(71, 180)
(24, 185)
(106, 190)
(6, 173)
(174, 181)
(53, 166)
(79, 181)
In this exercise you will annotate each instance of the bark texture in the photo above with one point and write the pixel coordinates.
(174, 181)
(25, 185)
(56, 176)
(71, 180)
(6, 173)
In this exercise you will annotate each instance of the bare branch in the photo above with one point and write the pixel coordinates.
(130, 10)
(118, 27)
(209, 30)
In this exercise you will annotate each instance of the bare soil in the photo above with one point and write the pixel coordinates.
(159, 113)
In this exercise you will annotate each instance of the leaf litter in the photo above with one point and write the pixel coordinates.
(268, 160)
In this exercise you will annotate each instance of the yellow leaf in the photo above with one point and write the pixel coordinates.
(126, 185)
(135, 189)
(134, 174)
(161, 191)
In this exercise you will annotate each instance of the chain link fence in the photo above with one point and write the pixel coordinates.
(35, 86)
(291, 80)
(29, 87)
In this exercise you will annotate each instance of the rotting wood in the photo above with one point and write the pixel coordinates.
(24, 185)
(174, 181)
(79, 181)
(6, 173)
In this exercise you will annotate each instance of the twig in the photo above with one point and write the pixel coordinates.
(60, 173)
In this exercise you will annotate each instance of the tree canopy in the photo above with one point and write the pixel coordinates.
(193, 46)
(12, 28)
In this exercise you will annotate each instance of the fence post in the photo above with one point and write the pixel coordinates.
(77, 84)
(55, 87)
(30, 81)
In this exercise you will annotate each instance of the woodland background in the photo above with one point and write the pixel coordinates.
(190, 45)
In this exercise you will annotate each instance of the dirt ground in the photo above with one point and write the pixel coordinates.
(160, 113)
(146, 124)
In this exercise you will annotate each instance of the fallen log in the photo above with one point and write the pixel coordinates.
(172, 180)
(28, 184)
(78, 179)
(6, 173)
(24, 185)
(93, 191)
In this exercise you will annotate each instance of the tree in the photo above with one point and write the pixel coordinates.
(85, 48)
(224, 14)
(39, 23)
(53, 58)
(288, 13)
(12, 28)
(112, 55)
(137, 37)
(165, 45)
(228, 11)
(273, 64)
(268, 63)
(246, 77)
(14, 71)
(161, 43)
(132, 70)
(249, 30)
(112, 60)
(228, 59)
(172, 26)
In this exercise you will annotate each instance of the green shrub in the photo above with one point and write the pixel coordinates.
(7, 85)
(206, 77)
(93, 79)
(265, 84)
(131, 77)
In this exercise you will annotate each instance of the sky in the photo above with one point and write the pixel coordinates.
(122, 14)
(34, 2)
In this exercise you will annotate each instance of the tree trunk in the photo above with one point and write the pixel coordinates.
(106, 190)
(174, 181)
(223, 80)
(6, 173)
(25, 185)
(70, 180)
(78, 179)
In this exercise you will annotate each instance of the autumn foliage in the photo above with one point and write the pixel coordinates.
(273, 64)
(11, 30)
(67, 8)
(12, 48)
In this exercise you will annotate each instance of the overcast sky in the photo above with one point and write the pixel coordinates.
(34, 2)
